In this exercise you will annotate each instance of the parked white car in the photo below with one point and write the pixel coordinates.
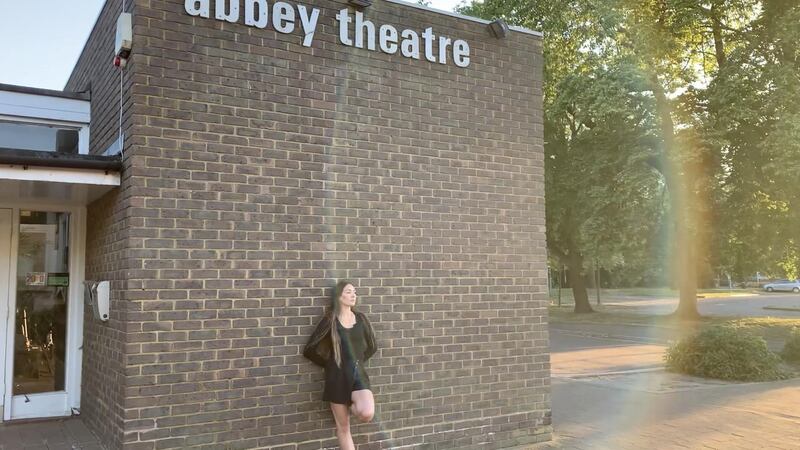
(783, 285)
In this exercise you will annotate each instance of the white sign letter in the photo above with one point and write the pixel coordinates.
(309, 24)
(250, 16)
(232, 16)
(428, 36)
(197, 8)
(410, 45)
(344, 27)
(283, 17)
(362, 24)
(388, 39)
(443, 43)
(461, 53)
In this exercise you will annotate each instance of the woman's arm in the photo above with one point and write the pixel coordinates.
(372, 343)
(310, 351)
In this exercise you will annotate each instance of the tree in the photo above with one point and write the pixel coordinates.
(602, 197)
(721, 80)
(753, 114)
(603, 200)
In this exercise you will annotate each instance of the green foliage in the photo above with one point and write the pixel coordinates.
(604, 200)
(708, 90)
(752, 113)
(725, 353)
(791, 350)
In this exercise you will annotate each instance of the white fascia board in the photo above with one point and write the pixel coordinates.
(34, 106)
(60, 175)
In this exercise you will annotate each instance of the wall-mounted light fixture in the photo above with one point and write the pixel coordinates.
(360, 3)
(499, 28)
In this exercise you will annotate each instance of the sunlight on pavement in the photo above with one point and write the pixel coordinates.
(760, 420)
(613, 393)
(607, 360)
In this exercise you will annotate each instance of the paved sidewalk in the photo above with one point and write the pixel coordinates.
(610, 392)
(57, 434)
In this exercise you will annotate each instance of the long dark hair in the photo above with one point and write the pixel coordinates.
(333, 313)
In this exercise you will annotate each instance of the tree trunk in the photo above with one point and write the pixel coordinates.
(577, 281)
(716, 30)
(687, 273)
(681, 206)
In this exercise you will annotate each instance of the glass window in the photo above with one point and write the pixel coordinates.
(40, 137)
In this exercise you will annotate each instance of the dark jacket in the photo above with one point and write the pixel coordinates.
(319, 348)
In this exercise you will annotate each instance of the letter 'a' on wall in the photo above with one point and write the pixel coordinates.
(197, 8)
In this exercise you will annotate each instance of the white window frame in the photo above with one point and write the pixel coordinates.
(83, 129)
(29, 108)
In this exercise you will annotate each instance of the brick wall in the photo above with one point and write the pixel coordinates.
(262, 171)
(107, 236)
(102, 389)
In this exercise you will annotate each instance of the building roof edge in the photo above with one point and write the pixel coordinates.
(462, 16)
(45, 92)
(62, 160)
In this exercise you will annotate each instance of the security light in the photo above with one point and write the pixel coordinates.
(499, 28)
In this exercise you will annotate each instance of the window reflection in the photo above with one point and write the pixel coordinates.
(41, 302)
(47, 138)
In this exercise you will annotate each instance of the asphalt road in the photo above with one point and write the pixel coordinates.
(739, 305)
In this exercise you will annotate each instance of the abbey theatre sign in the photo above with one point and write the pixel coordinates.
(353, 29)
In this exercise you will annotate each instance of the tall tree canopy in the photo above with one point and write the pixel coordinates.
(599, 127)
(667, 105)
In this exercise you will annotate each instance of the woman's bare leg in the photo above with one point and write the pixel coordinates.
(363, 404)
(341, 414)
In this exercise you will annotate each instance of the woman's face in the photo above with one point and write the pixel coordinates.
(348, 297)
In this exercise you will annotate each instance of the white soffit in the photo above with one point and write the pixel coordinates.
(40, 192)
(59, 175)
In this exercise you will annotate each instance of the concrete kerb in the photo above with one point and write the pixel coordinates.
(780, 308)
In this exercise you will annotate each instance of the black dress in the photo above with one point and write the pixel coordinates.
(357, 345)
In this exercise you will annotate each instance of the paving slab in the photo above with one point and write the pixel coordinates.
(610, 391)
(613, 357)
(54, 434)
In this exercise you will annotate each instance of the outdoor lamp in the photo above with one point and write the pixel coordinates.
(360, 3)
(499, 28)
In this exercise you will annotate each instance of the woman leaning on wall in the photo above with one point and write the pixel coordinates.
(342, 342)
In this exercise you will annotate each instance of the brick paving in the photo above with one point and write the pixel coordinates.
(58, 434)
(592, 415)
(603, 402)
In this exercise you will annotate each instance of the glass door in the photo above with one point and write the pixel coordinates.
(39, 316)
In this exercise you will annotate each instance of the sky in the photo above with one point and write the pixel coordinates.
(40, 40)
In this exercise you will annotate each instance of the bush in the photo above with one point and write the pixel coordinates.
(725, 353)
(791, 350)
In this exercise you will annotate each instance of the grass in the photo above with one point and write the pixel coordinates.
(621, 294)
